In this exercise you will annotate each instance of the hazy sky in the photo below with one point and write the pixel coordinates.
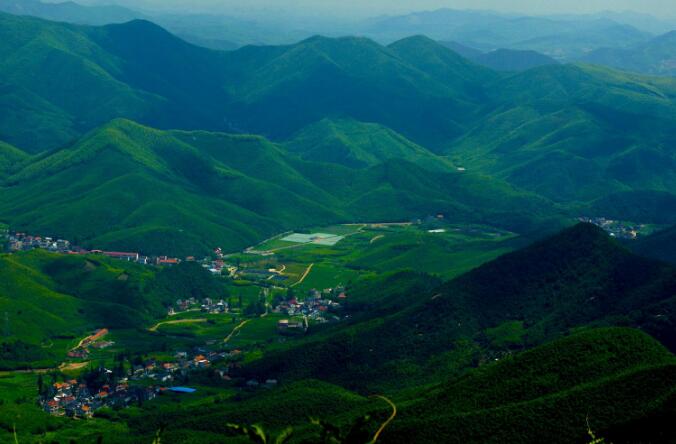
(377, 7)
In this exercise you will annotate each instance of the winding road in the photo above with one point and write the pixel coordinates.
(389, 420)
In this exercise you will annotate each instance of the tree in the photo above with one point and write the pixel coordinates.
(41, 385)
(257, 434)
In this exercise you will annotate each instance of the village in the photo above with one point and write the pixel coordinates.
(142, 381)
(17, 241)
(617, 229)
(138, 380)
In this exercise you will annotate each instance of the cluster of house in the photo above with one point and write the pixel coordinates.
(206, 305)
(94, 341)
(167, 372)
(218, 266)
(617, 229)
(317, 306)
(26, 242)
(74, 399)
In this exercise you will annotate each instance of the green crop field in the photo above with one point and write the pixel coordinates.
(368, 249)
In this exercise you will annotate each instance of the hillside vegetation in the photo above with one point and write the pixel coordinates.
(660, 245)
(51, 301)
(184, 193)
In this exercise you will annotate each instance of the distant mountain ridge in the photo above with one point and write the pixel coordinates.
(69, 11)
(487, 31)
(655, 57)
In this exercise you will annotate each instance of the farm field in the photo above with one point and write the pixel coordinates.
(438, 248)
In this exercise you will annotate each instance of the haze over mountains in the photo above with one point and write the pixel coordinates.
(564, 37)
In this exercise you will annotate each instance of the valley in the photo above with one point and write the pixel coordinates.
(421, 227)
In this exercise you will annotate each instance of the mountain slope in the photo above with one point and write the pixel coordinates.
(10, 158)
(485, 30)
(358, 145)
(69, 12)
(619, 378)
(576, 133)
(352, 77)
(166, 82)
(148, 190)
(556, 389)
(660, 245)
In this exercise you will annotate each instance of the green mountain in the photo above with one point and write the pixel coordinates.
(654, 57)
(571, 134)
(577, 278)
(358, 145)
(166, 82)
(660, 245)
(184, 193)
(575, 133)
